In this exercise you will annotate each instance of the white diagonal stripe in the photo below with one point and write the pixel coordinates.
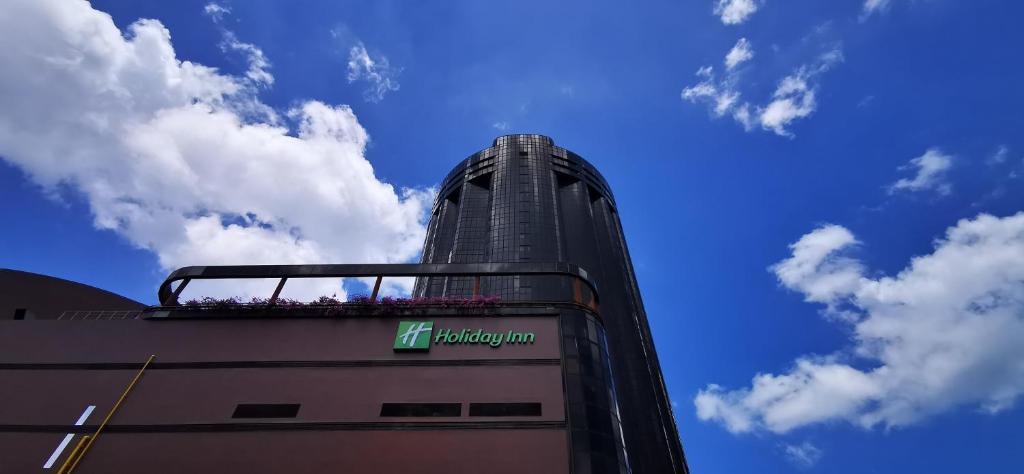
(67, 438)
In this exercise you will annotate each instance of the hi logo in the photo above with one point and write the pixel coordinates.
(413, 335)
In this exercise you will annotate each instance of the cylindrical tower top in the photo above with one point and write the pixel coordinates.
(516, 137)
(521, 150)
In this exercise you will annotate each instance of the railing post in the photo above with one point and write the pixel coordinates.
(476, 286)
(173, 299)
(376, 288)
(277, 292)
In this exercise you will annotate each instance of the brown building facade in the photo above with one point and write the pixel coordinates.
(473, 386)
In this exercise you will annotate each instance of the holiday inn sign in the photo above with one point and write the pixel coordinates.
(417, 336)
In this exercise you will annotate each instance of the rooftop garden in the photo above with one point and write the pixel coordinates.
(331, 305)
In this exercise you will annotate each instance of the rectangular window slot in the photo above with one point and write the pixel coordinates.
(266, 410)
(505, 409)
(421, 409)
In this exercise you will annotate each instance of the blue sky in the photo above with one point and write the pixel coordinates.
(881, 140)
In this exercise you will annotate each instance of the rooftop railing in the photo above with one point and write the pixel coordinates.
(583, 288)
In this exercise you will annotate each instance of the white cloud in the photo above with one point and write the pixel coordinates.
(502, 126)
(943, 332)
(803, 455)
(713, 403)
(794, 98)
(999, 156)
(739, 54)
(168, 154)
(816, 269)
(258, 72)
(258, 63)
(706, 88)
(378, 73)
(734, 12)
(743, 115)
(872, 6)
(930, 172)
(719, 94)
(216, 12)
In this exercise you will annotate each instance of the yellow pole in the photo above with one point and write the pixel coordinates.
(86, 442)
(74, 453)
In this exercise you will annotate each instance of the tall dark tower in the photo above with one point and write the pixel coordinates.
(526, 200)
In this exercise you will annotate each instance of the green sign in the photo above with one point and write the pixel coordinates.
(416, 336)
(413, 335)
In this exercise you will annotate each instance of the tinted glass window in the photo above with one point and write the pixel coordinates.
(421, 409)
(504, 409)
(266, 410)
